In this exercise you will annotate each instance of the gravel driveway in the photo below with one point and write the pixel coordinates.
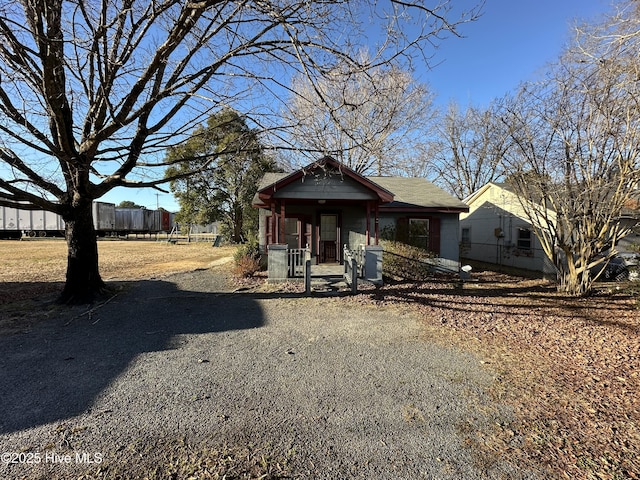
(338, 389)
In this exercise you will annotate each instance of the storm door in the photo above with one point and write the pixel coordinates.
(328, 238)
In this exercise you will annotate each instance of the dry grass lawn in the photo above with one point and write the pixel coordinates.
(39, 266)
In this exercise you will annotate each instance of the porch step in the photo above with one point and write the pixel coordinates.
(328, 284)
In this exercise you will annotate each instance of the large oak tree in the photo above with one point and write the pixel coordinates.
(92, 93)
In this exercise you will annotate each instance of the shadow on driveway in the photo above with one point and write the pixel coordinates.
(58, 370)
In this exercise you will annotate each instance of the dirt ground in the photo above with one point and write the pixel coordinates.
(181, 377)
(33, 271)
(40, 260)
(568, 367)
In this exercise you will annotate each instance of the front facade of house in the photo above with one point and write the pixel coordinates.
(496, 230)
(326, 205)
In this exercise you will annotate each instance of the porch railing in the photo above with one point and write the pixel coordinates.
(296, 258)
(359, 254)
(352, 269)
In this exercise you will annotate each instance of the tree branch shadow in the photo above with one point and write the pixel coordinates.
(535, 298)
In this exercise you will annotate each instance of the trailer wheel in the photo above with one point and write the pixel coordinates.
(42, 233)
(31, 233)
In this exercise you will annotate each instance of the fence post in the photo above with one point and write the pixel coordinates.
(373, 264)
(354, 276)
(278, 262)
(345, 257)
(307, 277)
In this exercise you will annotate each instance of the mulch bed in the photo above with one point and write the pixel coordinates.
(569, 367)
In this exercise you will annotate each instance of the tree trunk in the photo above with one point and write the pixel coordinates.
(237, 222)
(574, 283)
(238, 228)
(83, 284)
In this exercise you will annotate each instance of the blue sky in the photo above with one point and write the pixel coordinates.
(509, 44)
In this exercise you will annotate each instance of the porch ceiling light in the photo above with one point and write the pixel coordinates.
(322, 202)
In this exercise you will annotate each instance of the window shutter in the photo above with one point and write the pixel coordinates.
(267, 230)
(434, 235)
(402, 230)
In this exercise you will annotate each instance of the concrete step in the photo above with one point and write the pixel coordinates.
(328, 284)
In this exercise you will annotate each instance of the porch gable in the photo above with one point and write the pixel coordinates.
(325, 179)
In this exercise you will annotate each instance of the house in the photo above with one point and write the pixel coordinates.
(326, 205)
(496, 230)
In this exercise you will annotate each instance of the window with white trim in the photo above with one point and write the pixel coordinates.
(524, 240)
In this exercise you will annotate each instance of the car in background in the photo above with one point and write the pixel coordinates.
(616, 270)
(631, 259)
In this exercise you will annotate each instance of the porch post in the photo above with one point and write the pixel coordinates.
(274, 233)
(318, 253)
(377, 222)
(282, 238)
(368, 241)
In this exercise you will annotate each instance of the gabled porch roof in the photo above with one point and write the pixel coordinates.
(281, 186)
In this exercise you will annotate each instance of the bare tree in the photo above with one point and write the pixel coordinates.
(92, 93)
(469, 150)
(577, 148)
(371, 121)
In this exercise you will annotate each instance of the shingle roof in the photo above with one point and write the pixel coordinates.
(271, 178)
(417, 191)
(408, 192)
(394, 192)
